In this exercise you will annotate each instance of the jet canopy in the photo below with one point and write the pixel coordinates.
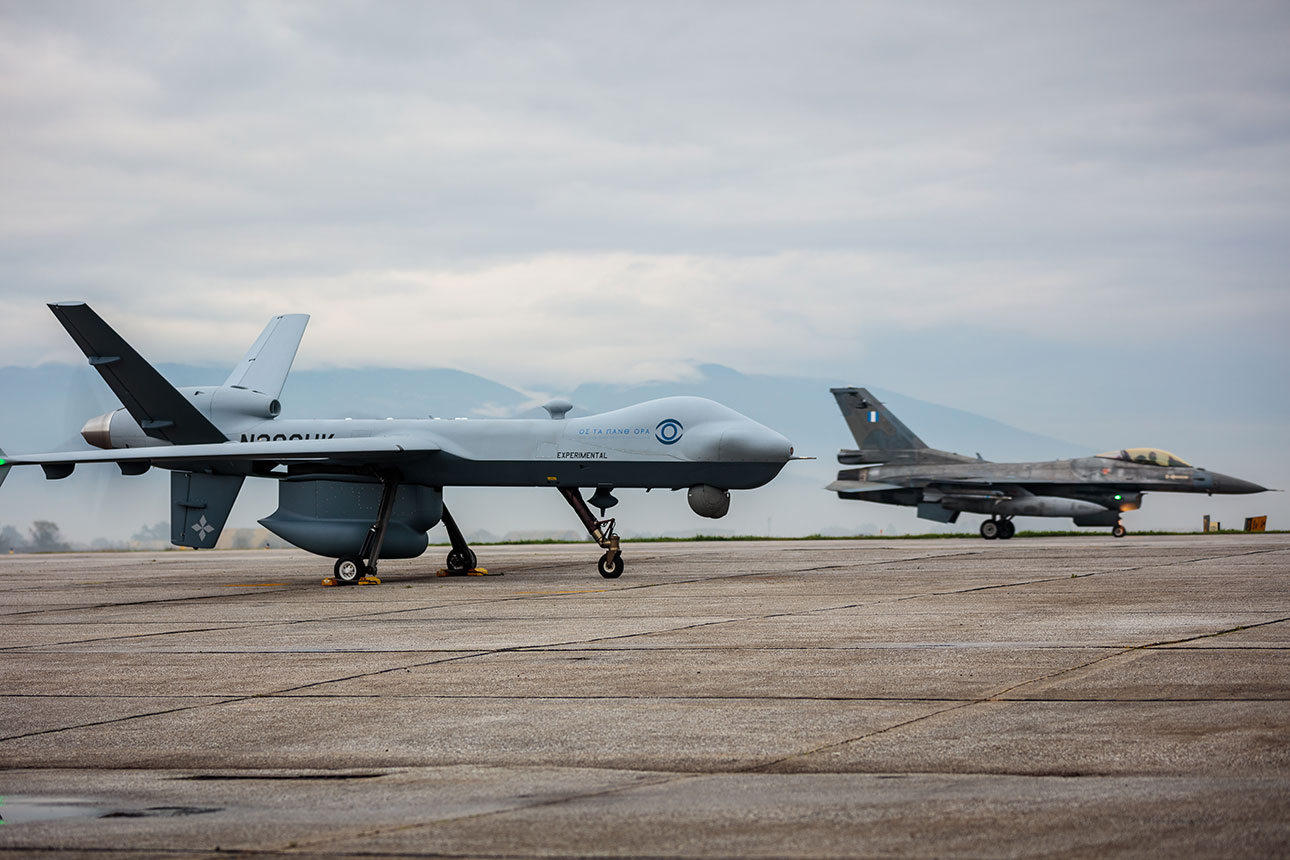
(1147, 457)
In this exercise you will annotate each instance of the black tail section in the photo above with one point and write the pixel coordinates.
(161, 411)
(881, 436)
(872, 424)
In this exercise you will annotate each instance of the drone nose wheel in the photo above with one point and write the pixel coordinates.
(610, 565)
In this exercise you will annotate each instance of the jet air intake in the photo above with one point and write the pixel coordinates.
(709, 501)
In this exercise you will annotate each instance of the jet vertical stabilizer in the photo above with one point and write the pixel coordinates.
(881, 436)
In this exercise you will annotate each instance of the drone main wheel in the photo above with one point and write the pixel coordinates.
(460, 561)
(990, 529)
(610, 565)
(349, 570)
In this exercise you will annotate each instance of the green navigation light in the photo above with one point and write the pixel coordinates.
(1117, 496)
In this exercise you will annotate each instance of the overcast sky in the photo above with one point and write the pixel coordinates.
(1072, 217)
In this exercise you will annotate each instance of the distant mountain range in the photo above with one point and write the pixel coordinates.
(47, 405)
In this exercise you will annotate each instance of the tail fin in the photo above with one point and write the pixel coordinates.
(199, 507)
(160, 410)
(872, 424)
(266, 364)
(881, 436)
(4, 467)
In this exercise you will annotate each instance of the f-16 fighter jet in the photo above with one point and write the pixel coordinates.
(899, 469)
(361, 490)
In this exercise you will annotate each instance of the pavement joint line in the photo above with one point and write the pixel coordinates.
(1197, 638)
(132, 636)
(958, 707)
(223, 700)
(465, 656)
(571, 649)
(1129, 649)
(650, 781)
(1021, 583)
(93, 606)
(905, 723)
(765, 766)
(1002, 695)
(108, 722)
(668, 697)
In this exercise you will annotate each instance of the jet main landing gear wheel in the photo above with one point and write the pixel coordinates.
(1006, 529)
(1118, 530)
(990, 529)
(610, 565)
(350, 570)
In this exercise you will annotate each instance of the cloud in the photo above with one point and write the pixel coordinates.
(569, 318)
(570, 191)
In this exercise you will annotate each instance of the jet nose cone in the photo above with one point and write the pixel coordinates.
(1227, 484)
(755, 444)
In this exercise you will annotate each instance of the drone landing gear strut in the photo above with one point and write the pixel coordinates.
(601, 531)
(352, 570)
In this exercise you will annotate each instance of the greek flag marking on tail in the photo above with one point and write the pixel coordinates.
(873, 416)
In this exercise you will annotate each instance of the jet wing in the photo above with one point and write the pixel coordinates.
(841, 486)
(377, 449)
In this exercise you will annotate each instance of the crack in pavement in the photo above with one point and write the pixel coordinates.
(1001, 694)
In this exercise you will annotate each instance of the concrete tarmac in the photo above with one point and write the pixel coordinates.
(1071, 697)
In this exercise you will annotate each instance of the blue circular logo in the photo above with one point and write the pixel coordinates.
(668, 431)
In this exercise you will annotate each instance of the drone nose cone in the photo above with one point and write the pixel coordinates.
(1226, 484)
(754, 443)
